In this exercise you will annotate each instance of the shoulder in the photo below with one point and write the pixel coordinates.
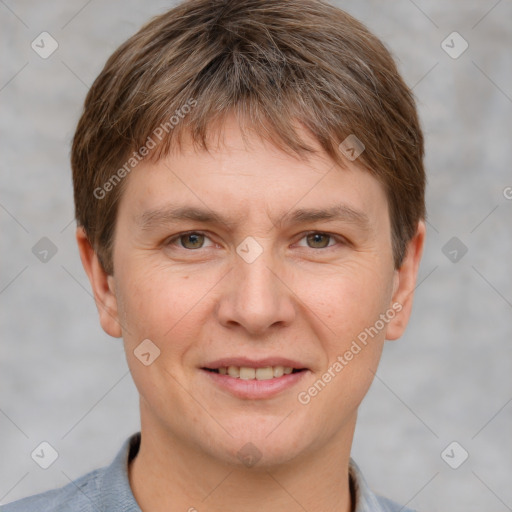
(365, 500)
(81, 495)
(106, 488)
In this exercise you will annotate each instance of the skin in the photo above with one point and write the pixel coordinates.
(198, 300)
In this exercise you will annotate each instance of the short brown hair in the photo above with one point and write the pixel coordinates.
(272, 63)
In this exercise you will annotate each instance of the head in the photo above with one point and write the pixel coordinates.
(288, 125)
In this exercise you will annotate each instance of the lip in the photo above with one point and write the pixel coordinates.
(254, 363)
(254, 389)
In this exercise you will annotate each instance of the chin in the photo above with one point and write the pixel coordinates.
(262, 445)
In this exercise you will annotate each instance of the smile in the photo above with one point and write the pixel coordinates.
(249, 383)
(248, 373)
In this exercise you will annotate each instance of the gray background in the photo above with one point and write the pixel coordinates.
(448, 379)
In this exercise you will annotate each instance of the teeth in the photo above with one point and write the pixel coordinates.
(246, 373)
(265, 373)
(234, 371)
(278, 371)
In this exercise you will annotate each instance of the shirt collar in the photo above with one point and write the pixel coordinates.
(364, 497)
(116, 493)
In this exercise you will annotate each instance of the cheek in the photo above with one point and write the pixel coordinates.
(157, 302)
(349, 298)
(350, 304)
(170, 307)
(164, 307)
(352, 343)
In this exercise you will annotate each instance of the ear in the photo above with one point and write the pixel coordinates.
(404, 284)
(102, 286)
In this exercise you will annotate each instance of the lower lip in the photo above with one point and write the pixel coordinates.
(255, 389)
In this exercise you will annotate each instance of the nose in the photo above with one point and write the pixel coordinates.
(257, 296)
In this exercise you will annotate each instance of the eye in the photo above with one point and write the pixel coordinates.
(320, 240)
(194, 240)
(191, 240)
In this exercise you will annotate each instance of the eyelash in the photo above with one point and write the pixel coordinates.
(339, 239)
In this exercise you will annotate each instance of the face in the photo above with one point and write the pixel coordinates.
(288, 268)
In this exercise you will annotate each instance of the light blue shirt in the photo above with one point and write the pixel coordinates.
(108, 490)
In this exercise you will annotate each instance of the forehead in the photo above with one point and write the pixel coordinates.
(239, 175)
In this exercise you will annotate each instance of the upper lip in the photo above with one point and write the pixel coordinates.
(254, 363)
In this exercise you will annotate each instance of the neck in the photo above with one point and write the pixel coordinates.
(167, 474)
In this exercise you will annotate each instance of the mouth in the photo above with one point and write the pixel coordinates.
(254, 380)
(252, 373)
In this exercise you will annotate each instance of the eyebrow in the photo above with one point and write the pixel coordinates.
(153, 219)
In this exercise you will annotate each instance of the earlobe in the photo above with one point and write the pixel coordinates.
(102, 286)
(405, 282)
